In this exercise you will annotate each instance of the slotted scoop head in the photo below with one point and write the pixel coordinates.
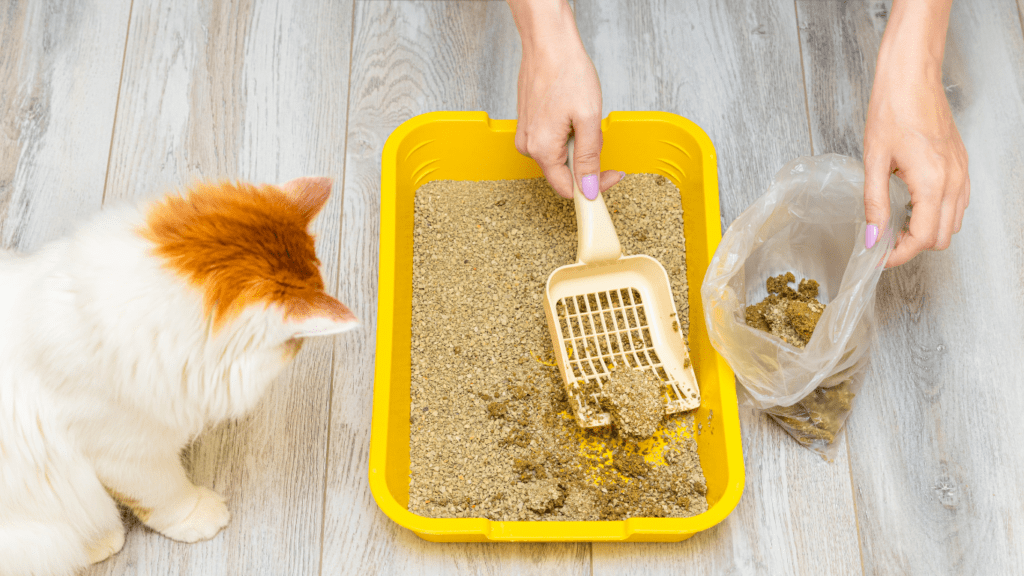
(608, 312)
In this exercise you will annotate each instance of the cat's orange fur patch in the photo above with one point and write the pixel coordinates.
(243, 245)
(141, 512)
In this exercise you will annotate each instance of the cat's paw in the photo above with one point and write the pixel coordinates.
(106, 547)
(206, 519)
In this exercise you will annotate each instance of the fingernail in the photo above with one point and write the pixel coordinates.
(590, 186)
(870, 235)
(621, 175)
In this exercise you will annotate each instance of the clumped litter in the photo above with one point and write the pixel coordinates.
(787, 313)
(792, 315)
(491, 431)
(819, 416)
(608, 331)
(633, 398)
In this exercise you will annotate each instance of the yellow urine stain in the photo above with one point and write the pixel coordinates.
(551, 363)
(593, 445)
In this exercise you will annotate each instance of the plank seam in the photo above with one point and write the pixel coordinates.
(853, 497)
(337, 281)
(1020, 17)
(117, 103)
(803, 74)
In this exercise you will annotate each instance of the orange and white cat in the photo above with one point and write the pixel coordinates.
(121, 343)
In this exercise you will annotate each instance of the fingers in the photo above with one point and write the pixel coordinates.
(955, 188)
(922, 233)
(560, 174)
(941, 193)
(947, 221)
(587, 155)
(610, 178)
(909, 124)
(877, 169)
(560, 178)
(550, 154)
(549, 151)
(962, 203)
(521, 139)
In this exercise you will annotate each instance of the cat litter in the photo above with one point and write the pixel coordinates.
(491, 430)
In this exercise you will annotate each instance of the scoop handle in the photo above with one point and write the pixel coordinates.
(595, 233)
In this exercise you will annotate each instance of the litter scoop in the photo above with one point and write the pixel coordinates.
(610, 312)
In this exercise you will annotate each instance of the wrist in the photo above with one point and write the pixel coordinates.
(915, 38)
(544, 24)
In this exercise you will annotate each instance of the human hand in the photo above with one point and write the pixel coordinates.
(559, 93)
(910, 129)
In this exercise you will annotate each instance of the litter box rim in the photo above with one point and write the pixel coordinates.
(482, 529)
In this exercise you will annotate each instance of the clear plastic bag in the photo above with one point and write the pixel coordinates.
(810, 222)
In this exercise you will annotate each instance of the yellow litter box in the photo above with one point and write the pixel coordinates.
(471, 146)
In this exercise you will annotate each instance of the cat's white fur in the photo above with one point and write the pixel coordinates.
(108, 368)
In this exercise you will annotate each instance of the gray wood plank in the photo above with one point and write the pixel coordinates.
(59, 75)
(408, 58)
(254, 91)
(734, 69)
(934, 442)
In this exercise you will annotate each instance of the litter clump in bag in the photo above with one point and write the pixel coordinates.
(800, 352)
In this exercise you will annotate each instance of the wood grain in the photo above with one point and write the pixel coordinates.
(408, 58)
(840, 44)
(260, 90)
(59, 75)
(934, 441)
(254, 91)
(734, 69)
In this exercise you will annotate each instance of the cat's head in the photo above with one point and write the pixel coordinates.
(248, 250)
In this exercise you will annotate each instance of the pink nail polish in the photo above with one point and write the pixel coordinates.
(590, 187)
(870, 235)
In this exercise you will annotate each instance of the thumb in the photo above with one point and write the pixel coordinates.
(876, 196)
(587, 157)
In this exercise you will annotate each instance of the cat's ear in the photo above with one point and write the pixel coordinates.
(319, 316)
(309, 193)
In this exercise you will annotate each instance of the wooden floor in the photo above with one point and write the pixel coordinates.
(106, 100)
